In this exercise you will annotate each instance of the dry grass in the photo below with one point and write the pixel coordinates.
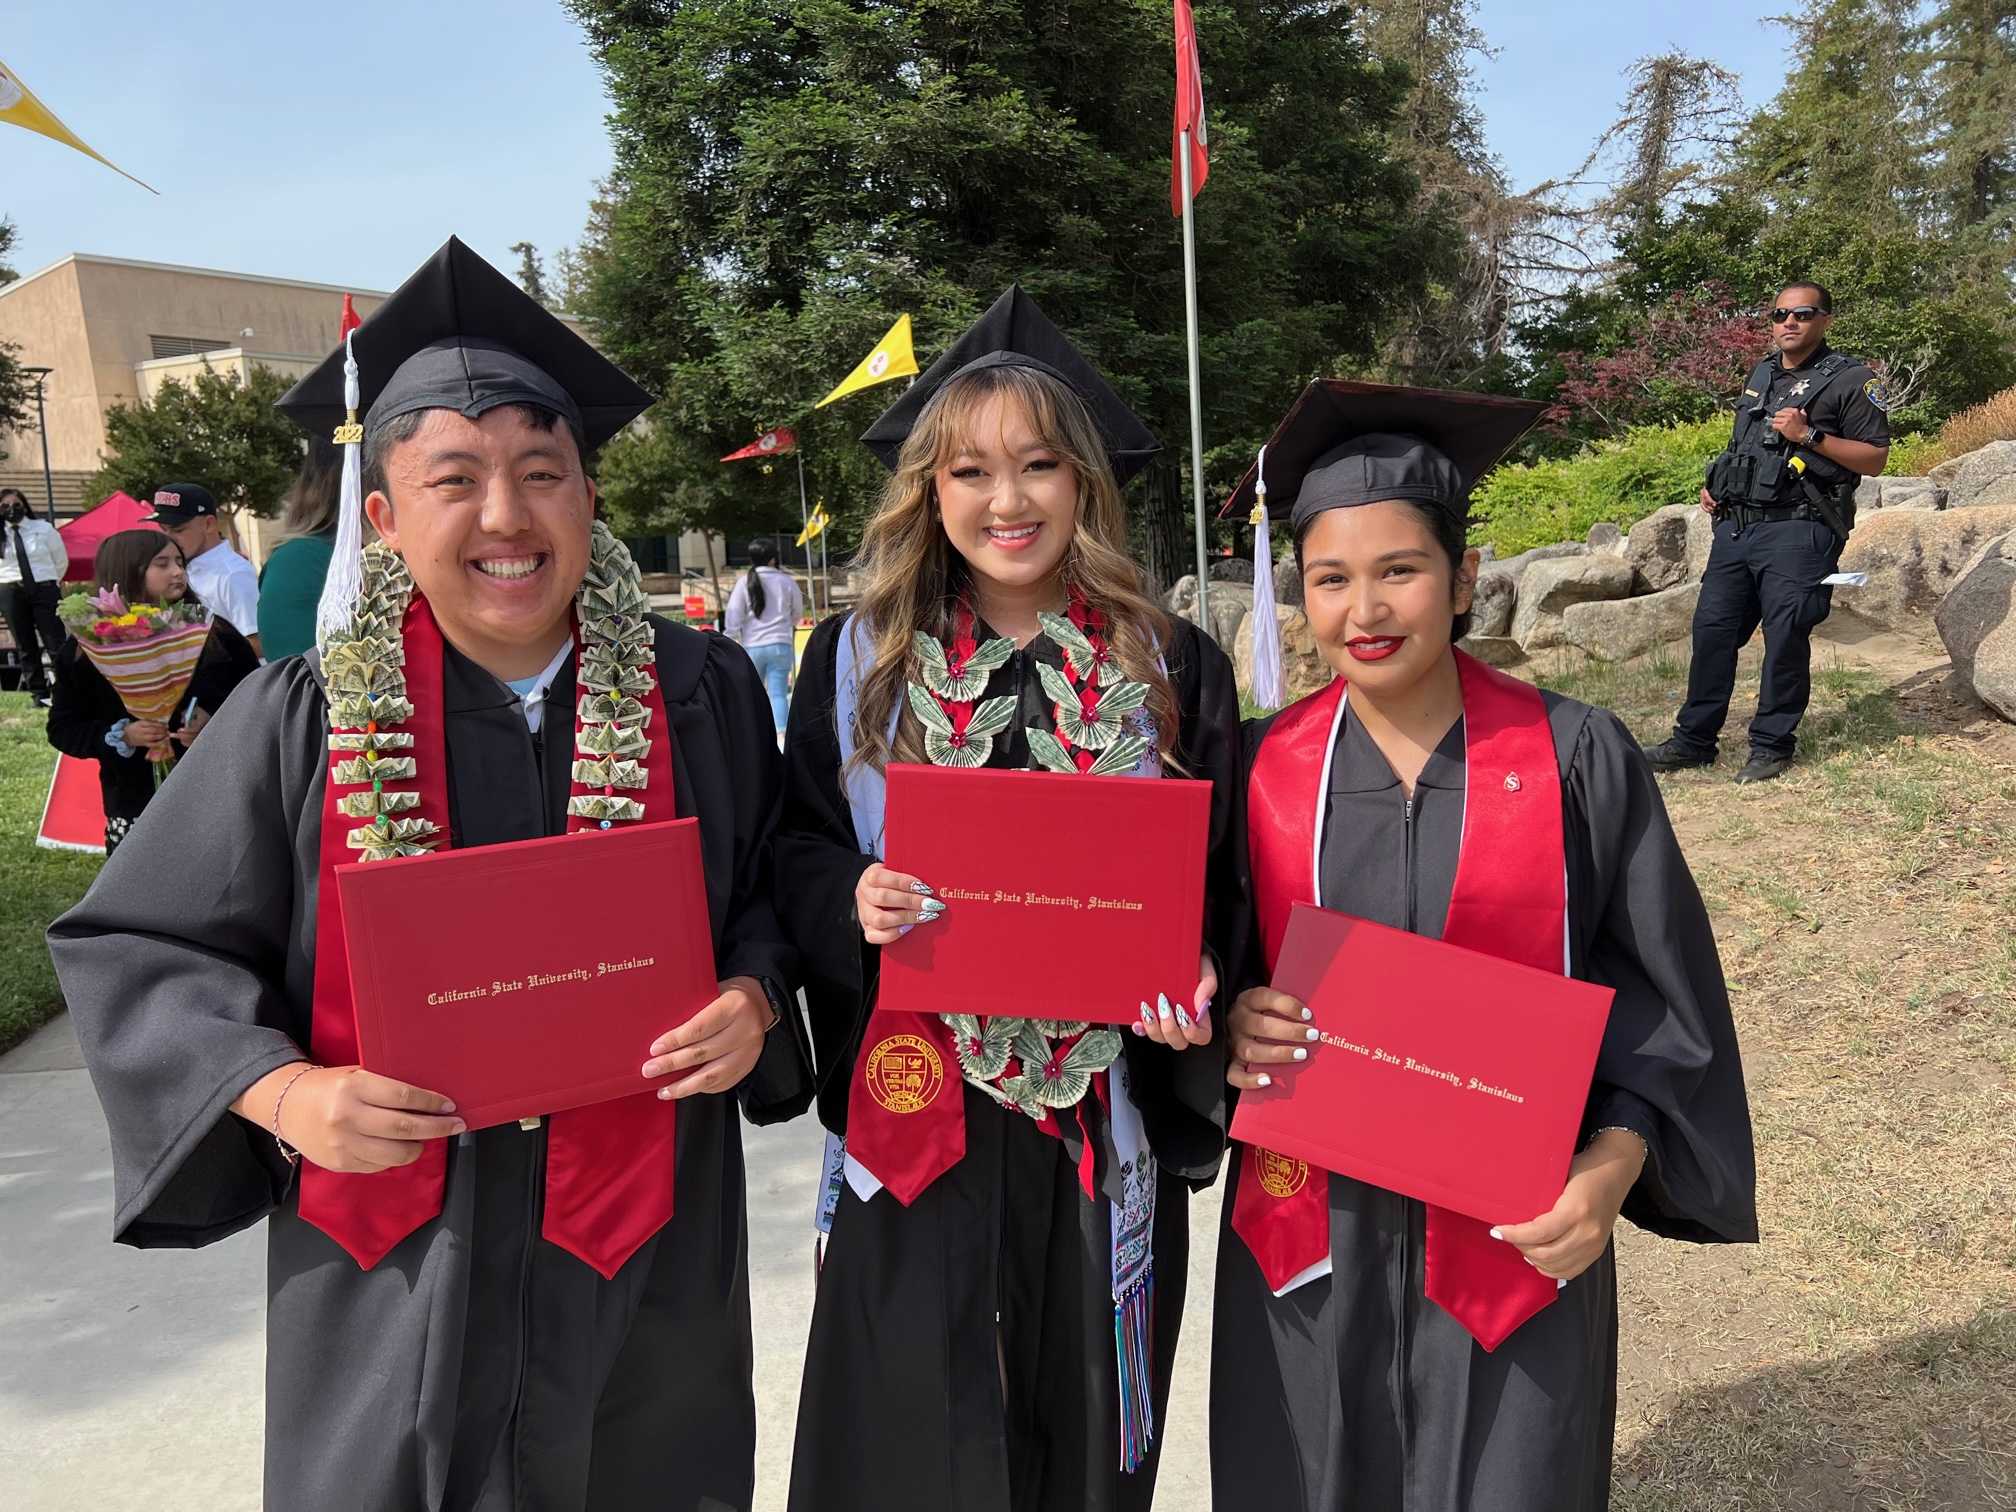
(1863, 1359)
(1993, 419)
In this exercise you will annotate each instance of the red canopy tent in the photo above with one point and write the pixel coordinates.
(82, 535)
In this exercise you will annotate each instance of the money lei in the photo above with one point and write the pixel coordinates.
(1031, 1065)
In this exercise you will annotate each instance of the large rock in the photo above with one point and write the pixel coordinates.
(1491, 605)
(1549, 587)
(1899, 493)
(1232, 570)
(1606, 538)
(1182, 599)
(1493, 650)
(1617, 629)
(1657, 546)
(1983, 477)
(1515, 566)
(1230, 603)
(1700, 541)
(1287, 580)
(1977, 624)
(1303, 669)
(1914, 558)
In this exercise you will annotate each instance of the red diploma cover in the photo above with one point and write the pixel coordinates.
(1067, 897)
(1442, 1073)
(527, 978)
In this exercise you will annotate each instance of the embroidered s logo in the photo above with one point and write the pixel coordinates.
(1280, 1176)
(905, 1073)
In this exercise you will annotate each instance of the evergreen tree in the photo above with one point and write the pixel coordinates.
(532, 272)
(17, 389)
(1971, 87)
(790, 175)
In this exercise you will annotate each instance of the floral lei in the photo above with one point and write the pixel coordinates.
(364, 670)
(1029, 1064)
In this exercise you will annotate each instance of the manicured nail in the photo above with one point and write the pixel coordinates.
(664, 1094)
(1301, 1052)
(922, 887)
(932, 907)
(930, 916)
(1182, 1018)
(1497, 1234)
(1137, 1028)
(1162, 1003)
(904, 929)
(447, 1106)
(1266, 1080)
(1312, 1034)
(1203, 1008)
(1147, 1014)
(1307, 1015)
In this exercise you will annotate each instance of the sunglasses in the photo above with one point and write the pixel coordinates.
(1800, 313)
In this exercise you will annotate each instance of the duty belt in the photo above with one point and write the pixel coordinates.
(1752, 514)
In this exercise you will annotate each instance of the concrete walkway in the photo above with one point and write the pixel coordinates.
(132, 1378)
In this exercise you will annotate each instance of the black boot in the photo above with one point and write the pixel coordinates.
(1671, 756)
(1763, 766)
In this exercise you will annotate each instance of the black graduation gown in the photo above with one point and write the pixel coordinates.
(83, 708)
(1355, 1393)
(903, 1404)
(477, 1366)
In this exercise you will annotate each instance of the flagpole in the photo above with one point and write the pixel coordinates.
(804, 521)
(1196, 392)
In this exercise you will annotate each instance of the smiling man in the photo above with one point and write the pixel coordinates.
(516, 1317)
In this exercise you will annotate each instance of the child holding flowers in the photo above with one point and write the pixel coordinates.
(142, 596)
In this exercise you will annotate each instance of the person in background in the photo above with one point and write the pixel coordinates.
(290, 584)
(217, 574)
(87, 719)
(762, 613)
(32, 564)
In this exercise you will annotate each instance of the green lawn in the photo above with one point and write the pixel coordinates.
(35, 884)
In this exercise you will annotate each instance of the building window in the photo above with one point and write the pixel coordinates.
(185, 346)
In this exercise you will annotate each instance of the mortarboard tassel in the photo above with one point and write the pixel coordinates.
(345, 583)
(1266, 691)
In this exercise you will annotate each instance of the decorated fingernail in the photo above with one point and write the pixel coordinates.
(1162, 1003)
(1497, 1233)
(1182, 1018)
(1301, 1052)
(1203, 1009)
(932, 907)
(664, 1094)
(1266, 1080)
(1147, 1014)
(903, 929)
(1307, 1015)
(922, 887)
(1310, 1034)
(1138, 1029)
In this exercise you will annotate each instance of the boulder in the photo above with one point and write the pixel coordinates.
(1657, 546)
(1182, 599)
(1303, 669)
(1618, 629)
(1515, 566)
(1493, 650)
(1548, 587)
(1984, 476)
(1700, 540)
(1607, 538)
(1899, 493)
(1913, 558)
(1491, 605)
(1287, 580)
(1977, 625)
(1232, 570)
(1230, 603)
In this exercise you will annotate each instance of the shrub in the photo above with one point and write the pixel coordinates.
(1912, 456)
(1621, 480)
(1993, 419)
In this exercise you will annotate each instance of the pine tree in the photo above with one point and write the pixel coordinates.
(1971, 86)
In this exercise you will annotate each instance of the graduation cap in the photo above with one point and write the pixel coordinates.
(1346, 443)
(457, 335)
(1015, 333)
(460, 335)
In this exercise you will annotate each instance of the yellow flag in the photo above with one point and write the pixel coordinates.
(813, 526)
(892, 358)
(19, 107)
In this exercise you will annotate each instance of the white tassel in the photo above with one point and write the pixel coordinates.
(345, 582)
(1267, 690)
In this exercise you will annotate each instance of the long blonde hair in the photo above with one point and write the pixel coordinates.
(913, 578)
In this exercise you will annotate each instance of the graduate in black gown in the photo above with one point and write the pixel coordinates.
(1342, 1380)
(516, 1317)
(966, 1341)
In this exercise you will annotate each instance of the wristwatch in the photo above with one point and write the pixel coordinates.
(1814, 435)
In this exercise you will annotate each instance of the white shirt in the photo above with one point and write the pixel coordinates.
(228, 587)
(47, 558)
(532, 691)
(782, 604)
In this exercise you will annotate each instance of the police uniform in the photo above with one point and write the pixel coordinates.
(1783, 513)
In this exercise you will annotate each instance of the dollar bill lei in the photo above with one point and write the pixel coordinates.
(364, 672)
(1032, 1065)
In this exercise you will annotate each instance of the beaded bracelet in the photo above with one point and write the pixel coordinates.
(292, 1155)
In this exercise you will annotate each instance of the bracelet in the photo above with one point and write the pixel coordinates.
(292, 1155)
(1620, 1129)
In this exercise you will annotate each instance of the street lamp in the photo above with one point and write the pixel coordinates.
(39, 374)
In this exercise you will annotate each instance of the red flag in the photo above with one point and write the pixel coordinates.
(772, 443)
(351, 320)
(1189, 113)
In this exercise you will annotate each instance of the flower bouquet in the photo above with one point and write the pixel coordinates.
(147, 652)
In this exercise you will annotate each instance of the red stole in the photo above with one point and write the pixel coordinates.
(1509, 899)
(609, 1167)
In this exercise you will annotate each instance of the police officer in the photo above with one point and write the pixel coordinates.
(1810, 426)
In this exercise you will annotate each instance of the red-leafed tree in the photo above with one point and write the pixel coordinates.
(1688, 359)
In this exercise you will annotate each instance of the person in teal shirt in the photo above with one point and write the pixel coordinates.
(290, 584)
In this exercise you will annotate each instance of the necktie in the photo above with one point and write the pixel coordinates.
(21, 557)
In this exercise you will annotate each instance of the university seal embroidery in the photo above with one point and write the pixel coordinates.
(1280, 1176)
(904, 1073)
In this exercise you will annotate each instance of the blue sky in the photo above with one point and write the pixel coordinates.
(343, 144)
